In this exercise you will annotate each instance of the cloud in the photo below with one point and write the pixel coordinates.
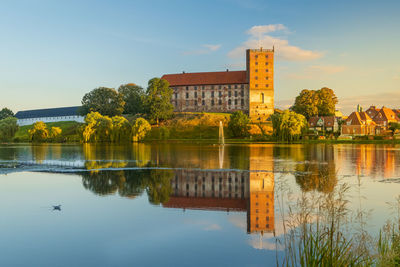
(206, 49)
(205, 225)
(259, 37)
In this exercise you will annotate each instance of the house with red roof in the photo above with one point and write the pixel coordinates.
(323, 123)
(384, 117)
(358, 123)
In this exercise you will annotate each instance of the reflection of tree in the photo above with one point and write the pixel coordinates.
(158, 186)
(314, 176)
(39, 152)
(130, 183)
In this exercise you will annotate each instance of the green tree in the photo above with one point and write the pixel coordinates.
(327, 102)
(106, 101)
(39, 132)
(158, 186)
(8, 128)
(5, 113)
(394, 126)
(132, 95)
(158, 100)
(311, 103)
(239, 124)
(288, 126)
(121, 129)
(140, 129)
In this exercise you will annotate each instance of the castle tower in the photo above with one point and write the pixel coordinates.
(260, 77)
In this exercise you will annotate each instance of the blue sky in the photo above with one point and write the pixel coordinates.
(53, 52)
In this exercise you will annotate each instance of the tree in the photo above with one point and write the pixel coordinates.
(312, 103)
(158, 100)
(39, 132)
(5, 113)
(106, 101)
(121, 129)
(8, 128)
(239, 124)
(288, 126)
(140, 129)
(394, 126)
(158, 186)
(55, 132)
(132, 95)
(97, 129)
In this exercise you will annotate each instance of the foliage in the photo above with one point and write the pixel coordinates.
(106, 101)
(394, 126)
(315, 103)
(239, 124)
(97, 128)
(121, 129)
(8, 128)
(158, 186)
(39, 132)
(55, 132)
(314, 176)
(288, 126)
(5, 113)
(140, 129)
(157, 102)
(132, 95)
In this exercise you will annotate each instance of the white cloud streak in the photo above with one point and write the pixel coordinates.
(259, 36)
(206, 49)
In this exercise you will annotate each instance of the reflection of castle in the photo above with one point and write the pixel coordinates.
(251, 191)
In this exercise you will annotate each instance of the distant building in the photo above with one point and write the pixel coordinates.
(358, 123)
(324, 123)
(28, 117)
(250, 90)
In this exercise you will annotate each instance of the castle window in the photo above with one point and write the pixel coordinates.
(203, 102)
(235, 101)
(235, 86)
(229, 102)
(195, 102)
(229, 86)
(236, 94)
(202, 94)
(187, 102)
(212, 87)
(187, 87)
(203, 87)
(212, 102)
(176, 95)
(219, 93)
(242, 93)
(195, 88)
(195, 94)
(212, 93)
(219, 86)
(242, 102)
(187, 95)
(229, 93)
(220, 102)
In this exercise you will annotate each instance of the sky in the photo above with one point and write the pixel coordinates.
(53, 52)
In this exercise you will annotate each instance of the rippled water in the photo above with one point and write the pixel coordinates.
(174, 204)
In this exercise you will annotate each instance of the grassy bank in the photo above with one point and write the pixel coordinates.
(70, 131)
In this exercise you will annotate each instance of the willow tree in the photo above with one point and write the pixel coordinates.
(39, 132)
(140, 129)
(288, 126)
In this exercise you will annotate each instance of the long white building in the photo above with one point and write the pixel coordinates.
(28, 117)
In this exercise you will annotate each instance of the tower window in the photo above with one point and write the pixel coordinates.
(256, 70)
(256, 78)
(266, 78)
(256, 56)
(262, 97)
(256, 85)
(266, 56)
(256, 63)
(266, 70)
(266, 85)
(266, 63)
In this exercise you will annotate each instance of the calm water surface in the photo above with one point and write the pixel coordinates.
(174, 204)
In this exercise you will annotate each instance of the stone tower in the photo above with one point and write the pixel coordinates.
(260, 77)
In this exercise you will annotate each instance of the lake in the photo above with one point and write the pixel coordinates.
(176, 204)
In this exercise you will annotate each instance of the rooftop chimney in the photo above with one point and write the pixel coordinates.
(183, 72)
(227, 70)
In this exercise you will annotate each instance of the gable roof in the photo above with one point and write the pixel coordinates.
(386, 114)
(372, 111)
(49, 112)
(206, 78)
(329, 121)
(359, 118)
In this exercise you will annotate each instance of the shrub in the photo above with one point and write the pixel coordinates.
(239, 124)
(140, 129)
(8, 128)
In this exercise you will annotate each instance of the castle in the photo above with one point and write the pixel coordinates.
(250, 90)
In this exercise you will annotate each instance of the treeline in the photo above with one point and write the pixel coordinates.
(154, 104)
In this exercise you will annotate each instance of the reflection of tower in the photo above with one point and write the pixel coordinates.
(260, 211)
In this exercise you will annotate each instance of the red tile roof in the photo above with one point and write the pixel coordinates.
(386, 114)
(206, 78)
(329, 121)
(206, 203)
(359, 118)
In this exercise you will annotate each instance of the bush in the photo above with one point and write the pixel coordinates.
(239, 124)
(289, 126)
(140, 129)
(39, 132)
(8, 128)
